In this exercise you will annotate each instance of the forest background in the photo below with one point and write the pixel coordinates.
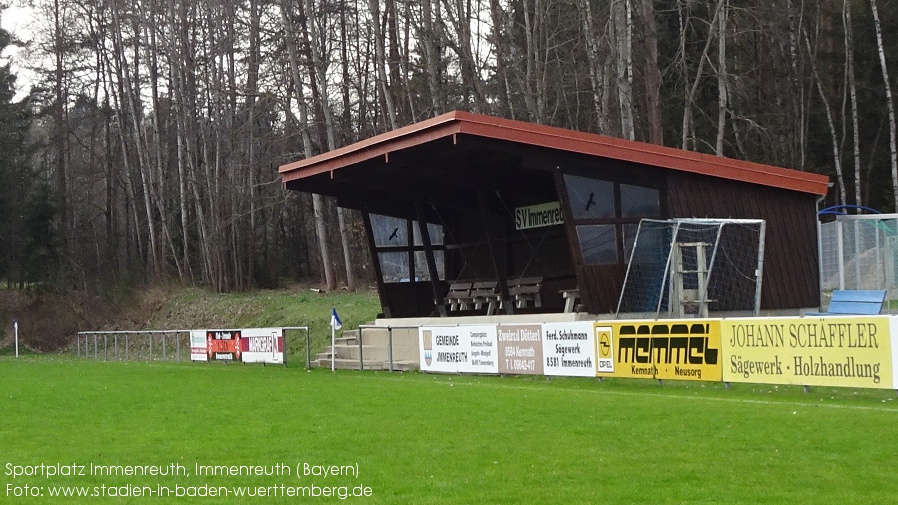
(147, 148)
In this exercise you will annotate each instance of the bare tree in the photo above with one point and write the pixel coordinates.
(652, 74)
(722, 85)
(890, 106)
(381, 63)
(837, 156)
(852, 92)
(621, 19)
(317, 200)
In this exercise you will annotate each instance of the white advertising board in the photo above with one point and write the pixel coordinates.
(569, 349)
(262, 345)
(198, 349)
(249, 345)
(459, 349)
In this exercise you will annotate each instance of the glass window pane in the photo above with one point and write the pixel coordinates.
(389, 231)
(394, 266)
(598, 244)
(436, 233)
(421, 271)
(434, 230)
(590, 198)
(636, 201)
(629, 232)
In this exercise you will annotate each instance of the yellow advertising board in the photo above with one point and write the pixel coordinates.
(843, 351)
(671, 349)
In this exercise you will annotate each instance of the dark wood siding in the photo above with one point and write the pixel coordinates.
(791, 274)
(790, 258)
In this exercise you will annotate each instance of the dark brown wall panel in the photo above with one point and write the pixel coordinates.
(790, 259)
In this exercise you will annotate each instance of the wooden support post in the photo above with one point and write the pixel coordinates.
(500, 274)
(375, 262)
(438, 300)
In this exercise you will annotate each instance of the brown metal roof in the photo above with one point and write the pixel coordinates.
(457, 122)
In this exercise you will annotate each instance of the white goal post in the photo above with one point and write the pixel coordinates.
(689, 267)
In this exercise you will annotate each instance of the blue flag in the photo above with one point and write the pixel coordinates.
(335, 320)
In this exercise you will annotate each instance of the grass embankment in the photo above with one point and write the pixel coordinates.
(191, 308)
(195, 308)
(418, 438)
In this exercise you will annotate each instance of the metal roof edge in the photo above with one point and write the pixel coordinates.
(376, 145)
(641, 152)
(561, 139)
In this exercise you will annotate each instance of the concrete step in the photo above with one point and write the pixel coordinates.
(368, 352)
(353, 364)
(405, 341)
(375, 336)
(348, 364)
(403, 366)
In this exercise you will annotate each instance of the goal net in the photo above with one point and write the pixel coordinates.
(690, 267)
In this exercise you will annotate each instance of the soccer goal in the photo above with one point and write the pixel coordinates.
(690, 267)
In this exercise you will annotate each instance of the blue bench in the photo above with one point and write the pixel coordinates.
(859, 302)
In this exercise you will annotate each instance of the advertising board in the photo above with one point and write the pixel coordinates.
(459, 349)
(262, 345)
(198, 349)
(670, 349)
(844, 351)
(569, 349)
(250, 345)
(520, 348)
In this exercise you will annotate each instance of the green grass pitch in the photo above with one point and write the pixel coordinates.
(418, 438)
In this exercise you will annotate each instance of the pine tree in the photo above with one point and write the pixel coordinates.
(27, 213)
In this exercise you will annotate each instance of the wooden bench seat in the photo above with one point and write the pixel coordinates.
(468, 295)
(570, 297)
(525, 291)
(485, 292)
(459, 296)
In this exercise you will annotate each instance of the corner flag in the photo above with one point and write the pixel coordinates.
(335, 320)
(336, 324)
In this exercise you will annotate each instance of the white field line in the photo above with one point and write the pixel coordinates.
(669, 395)
(461, 380)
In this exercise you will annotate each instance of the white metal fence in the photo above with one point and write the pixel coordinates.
(157, 345)
(859, 252)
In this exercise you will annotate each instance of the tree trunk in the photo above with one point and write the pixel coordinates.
(317, 202)
(691, 91)
(837, 156)
(652, 75)
(381, 64)
(320, 68)
(621, 20)
(852, 92)
(722, 94)
(893, 148)
(593, 43)
(430, 39)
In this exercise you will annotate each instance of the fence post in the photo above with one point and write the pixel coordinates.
(164, 356)
(96, 349)
(309, 351)
(390, 345)
(115, 345)
(361, 358)
(151, 348)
